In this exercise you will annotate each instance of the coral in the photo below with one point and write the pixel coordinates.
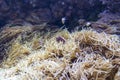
(80, 55)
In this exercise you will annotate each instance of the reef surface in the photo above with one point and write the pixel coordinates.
(60, 40)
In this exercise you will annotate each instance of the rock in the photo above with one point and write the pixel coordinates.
(49, 11)
(112, 5)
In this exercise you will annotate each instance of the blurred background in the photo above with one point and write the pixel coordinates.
(34, 12)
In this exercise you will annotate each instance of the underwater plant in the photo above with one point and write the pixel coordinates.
(80, 55)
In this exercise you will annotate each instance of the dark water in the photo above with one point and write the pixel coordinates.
(49, 11)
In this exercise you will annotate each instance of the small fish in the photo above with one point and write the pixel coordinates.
(88, 24)
(63, 20)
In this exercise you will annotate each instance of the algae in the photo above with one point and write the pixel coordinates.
(79, 55)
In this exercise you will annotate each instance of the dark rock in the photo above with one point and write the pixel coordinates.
(50, 11)
(35, 12)
(112, 5)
